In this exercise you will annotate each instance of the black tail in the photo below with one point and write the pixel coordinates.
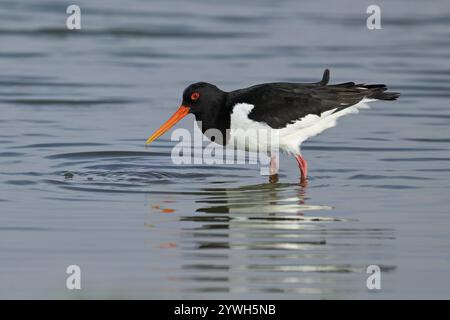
(325, 78)
(371, 91)
(378, 91)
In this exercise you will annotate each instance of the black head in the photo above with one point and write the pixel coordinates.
(203, 98)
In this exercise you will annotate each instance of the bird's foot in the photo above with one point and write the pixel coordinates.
(303, 182)
(273, 178)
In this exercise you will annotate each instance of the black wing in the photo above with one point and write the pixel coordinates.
(279, 104)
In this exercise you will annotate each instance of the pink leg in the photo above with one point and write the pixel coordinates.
(273, 178)
(274, 165)
(303, 166)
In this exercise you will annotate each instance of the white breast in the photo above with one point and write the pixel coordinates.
(251, 135)
(245, 132)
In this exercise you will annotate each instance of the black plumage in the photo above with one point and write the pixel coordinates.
(279, 104)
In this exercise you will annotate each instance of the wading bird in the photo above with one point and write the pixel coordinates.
(294, 111)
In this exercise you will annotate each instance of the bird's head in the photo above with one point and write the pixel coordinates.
(200, 99)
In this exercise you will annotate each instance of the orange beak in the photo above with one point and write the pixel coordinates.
(177, 116)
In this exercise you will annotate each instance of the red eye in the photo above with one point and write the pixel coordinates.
(195, 96)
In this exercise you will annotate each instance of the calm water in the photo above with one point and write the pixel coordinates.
(78, 187)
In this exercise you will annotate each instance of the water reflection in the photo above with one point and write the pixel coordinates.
(267, 238)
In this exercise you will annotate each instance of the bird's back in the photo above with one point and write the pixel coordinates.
(281, 103)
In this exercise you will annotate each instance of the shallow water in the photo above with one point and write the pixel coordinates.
(78, 187)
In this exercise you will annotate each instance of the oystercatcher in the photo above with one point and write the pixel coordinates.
(294, 111)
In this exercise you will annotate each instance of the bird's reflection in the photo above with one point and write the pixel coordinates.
(272, 199)
(256, 238)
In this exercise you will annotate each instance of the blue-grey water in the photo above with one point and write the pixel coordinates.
(78, 187)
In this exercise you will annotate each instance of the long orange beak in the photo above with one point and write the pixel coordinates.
(177, 116)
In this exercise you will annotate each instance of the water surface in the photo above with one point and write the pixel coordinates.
(78, 187)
